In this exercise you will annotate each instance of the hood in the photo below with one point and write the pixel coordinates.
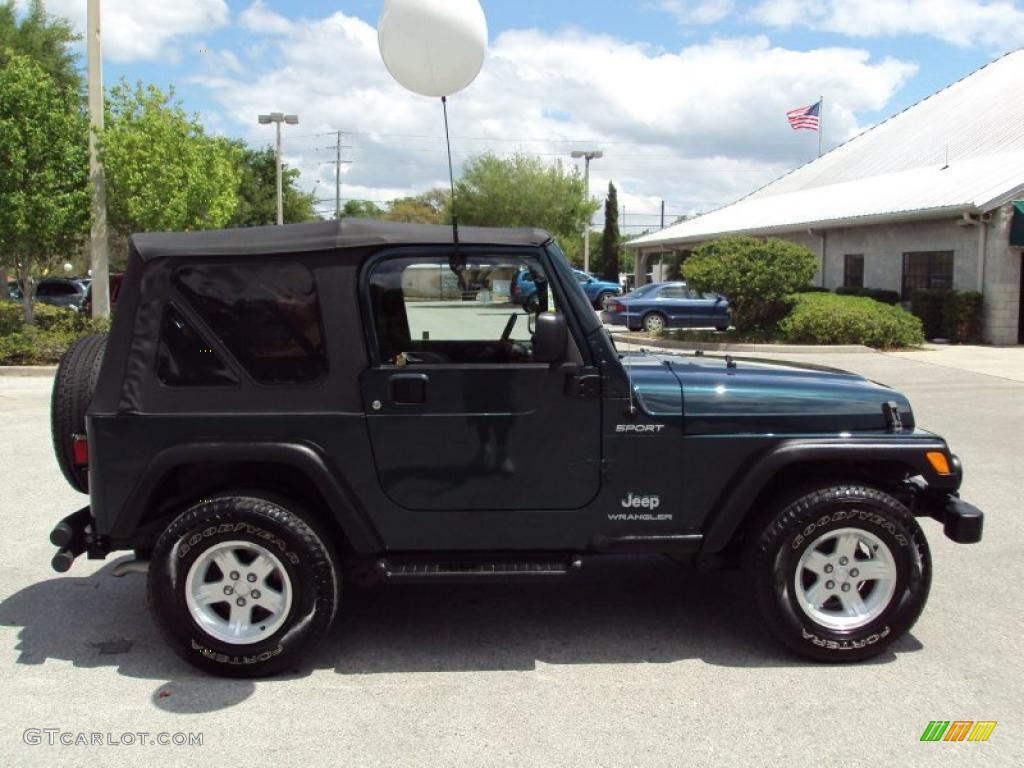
(761, 397)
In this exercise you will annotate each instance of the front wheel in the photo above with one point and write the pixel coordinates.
(242, 586)
(602, 300)
(840, 573)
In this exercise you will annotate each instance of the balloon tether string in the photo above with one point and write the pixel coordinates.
(451, 174)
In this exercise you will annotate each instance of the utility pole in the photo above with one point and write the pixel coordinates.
(662, 214)
(277, 118)
(99, 256)
(587, 155)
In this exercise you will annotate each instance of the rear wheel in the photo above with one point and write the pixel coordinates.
(73, 388)
(839, 573)
(653, 322)
(603, 298)
(242, 586)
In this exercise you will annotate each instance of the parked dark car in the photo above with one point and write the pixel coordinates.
(598, 291)
(657, 306)
(280, 415)
(115, 290)
(61, 292)
(14, 290)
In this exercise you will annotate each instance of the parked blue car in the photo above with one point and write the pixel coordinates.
(657, 306)
(598, 291)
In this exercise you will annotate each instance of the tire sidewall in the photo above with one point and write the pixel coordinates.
(894, 527)
(302, 554)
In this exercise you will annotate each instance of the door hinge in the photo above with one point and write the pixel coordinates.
(583, 385)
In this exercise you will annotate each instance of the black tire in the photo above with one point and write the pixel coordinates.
(532, 305)
(721, 328)
(602, 299)
(73, 388)
(773, 555)
(651, 319)
(279, 528)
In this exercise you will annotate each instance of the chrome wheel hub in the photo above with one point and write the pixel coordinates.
(845, 579)
(238, 592)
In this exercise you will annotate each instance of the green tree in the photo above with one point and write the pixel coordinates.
(44, 192)
(257, 190)
(361, 209)
(163, 171)
(759, 277)
(522, 191)
(429, 208)
(43, 38)
(610, 238)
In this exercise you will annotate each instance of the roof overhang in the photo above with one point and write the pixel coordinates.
(946, 212)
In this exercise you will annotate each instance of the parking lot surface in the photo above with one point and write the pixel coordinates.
(639, 661)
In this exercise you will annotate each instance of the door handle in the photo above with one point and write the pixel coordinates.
(408, 388)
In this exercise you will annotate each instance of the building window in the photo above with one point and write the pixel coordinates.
(853, 270)
(266, 315)
(927, 270)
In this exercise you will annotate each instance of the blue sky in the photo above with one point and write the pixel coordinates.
(686, 97)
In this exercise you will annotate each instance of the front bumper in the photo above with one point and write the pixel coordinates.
(961, 522)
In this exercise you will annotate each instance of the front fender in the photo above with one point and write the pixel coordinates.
(744, 488)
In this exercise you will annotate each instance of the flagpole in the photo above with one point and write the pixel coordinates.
(821, 121)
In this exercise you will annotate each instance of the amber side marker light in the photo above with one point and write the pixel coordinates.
(939, 462)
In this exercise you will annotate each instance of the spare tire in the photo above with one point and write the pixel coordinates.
(73, 388)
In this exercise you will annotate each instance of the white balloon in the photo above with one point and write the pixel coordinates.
(433, 47)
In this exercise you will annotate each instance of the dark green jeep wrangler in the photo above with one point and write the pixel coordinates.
(279, 411)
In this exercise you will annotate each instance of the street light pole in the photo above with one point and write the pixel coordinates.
(277, 118)
(587, 155)
(99, 257)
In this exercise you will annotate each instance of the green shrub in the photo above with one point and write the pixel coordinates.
(43, 343)
(759, 277)
(962, 316)
(830, 319)
(886, 297)
(929, 306)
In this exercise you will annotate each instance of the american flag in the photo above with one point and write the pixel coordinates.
(805, 117)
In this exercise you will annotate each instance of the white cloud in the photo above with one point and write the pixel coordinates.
(135, 30)
(697, 127)
(964, 23)
(701, 12)
(259, 18)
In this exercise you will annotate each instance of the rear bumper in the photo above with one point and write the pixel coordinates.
(74, 535)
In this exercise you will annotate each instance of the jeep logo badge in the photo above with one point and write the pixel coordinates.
(643, 502)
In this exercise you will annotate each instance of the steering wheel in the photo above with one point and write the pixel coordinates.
(507, 333)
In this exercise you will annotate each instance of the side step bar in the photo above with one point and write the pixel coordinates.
(412, 570)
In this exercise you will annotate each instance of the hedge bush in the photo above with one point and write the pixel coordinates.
(759, 277)
(820, 318)
(54, 331)
(929, 305)
(962, 317)
(878, 294)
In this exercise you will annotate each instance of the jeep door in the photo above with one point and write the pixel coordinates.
(460, 416)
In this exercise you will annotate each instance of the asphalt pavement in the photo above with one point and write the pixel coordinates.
(639, 661)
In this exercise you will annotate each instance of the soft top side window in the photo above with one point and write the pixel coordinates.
(267, 315)
(185, 359)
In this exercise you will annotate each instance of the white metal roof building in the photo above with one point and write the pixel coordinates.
(923, 199)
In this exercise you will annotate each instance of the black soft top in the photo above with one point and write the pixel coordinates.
(322, 236)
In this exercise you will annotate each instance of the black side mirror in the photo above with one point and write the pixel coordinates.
(550, 338)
